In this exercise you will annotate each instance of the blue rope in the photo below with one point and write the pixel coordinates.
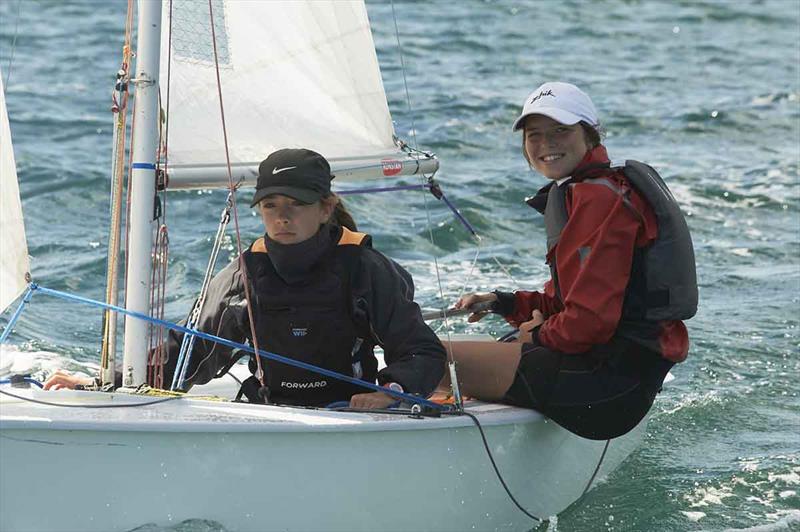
(346, 404)
(17, 313)
(26, 379)
(439, 195)
(244, 347)
(459, 216)
(380, 189)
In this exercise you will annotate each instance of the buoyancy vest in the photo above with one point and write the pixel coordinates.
(663, 283)
(315, 321)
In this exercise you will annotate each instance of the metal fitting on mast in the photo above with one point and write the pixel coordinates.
(144, 80)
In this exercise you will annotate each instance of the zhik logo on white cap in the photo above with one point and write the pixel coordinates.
(563, 102)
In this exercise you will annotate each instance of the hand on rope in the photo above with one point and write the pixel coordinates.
(61, 380)
(371, 400)
(478, 304)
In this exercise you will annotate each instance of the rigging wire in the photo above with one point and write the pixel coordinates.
(471, 269)
(166, 113)
(405, 80)
(129, 181)
(478, 239)
(13, 48)
(157, 355)
(451, 360)
(505, 270)
(17, 313)
(187, 344)
(232, 192)
(453, 377)
(128, 196)
(120, 98)
(158, 286)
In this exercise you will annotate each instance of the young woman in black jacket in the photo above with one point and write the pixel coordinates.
(320, 294)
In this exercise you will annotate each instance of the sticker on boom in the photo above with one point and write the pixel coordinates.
(391, 167)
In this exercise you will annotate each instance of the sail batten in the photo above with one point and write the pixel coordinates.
(293, 74)
(14, 263)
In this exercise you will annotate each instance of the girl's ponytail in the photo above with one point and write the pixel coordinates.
(340, 215)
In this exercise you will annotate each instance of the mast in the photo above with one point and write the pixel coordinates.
(142, 191)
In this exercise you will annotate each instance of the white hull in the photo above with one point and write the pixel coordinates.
(276, 468)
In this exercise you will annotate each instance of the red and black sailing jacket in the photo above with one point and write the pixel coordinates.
(598, 284)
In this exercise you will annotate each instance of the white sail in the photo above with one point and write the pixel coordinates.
(14, 265)
(293, 74)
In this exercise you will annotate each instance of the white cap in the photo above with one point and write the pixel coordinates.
(563, 102)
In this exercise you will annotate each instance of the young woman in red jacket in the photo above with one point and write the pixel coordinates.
(597, 342)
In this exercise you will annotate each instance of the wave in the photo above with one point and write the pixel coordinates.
(17, 360)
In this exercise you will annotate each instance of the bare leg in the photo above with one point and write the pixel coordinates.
(485, 370)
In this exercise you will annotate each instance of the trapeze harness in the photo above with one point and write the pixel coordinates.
(663, 282)
(316, 321)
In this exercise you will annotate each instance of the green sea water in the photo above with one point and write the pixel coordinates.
(707, 92)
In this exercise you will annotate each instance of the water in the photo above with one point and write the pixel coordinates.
(708, 92)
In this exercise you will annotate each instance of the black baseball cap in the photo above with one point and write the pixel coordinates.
(301, 174)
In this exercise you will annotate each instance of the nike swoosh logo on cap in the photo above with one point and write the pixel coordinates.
(279, 170)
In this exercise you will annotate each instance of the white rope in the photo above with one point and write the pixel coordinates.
(505, 270)
(452, 366)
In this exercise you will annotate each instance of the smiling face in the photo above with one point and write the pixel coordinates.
(289, 221)
(554, 149)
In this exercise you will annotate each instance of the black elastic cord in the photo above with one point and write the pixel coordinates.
(494, 465)
(128, 405)
(376, 411)
(596, 469)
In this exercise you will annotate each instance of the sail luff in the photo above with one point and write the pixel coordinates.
(14, 262)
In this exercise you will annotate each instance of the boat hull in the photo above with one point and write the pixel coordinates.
(277, 468)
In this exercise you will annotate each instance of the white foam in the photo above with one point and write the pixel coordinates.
(709, 496)
(789, 478)
(694, 516)
(39, 364)
(695, 400)
(785, 523)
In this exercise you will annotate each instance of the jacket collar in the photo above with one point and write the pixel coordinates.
(295, 262)
(594, 164)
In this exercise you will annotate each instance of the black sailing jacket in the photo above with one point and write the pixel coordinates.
(381, 291)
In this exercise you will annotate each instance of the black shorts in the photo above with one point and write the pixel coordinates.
(600, 394)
